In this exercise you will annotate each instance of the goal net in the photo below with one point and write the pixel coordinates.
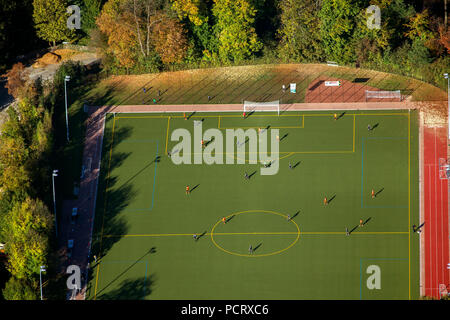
(250, 106)
(384, 95)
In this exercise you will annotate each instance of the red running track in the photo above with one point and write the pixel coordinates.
(436, 228)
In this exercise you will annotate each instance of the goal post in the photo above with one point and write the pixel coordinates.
(250, 106)
(396, 94)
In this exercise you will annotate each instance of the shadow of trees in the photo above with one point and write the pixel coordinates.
(131, 289)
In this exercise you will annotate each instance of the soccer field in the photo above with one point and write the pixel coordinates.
(144, 221)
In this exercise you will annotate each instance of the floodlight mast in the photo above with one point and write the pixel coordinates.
(41, 269)
(54, 174)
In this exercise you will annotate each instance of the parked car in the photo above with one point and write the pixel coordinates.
(74, 215)
(70, 247)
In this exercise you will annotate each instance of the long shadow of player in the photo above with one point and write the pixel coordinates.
(281, 139)
(190, 116)
(379, 191)
(296, 214)
(364, 223)
(257, 247)
(199, 237)
(332, 198)
(341, 115)
(229, 219)
(209, 141)
(295, 165)
(249, 114)
(252, 174)
(195, 187)
(354, 228)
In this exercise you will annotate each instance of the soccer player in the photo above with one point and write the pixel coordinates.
(289, 217)
(335, 116)
(369, 127)
(203, 143)
(243, 115)
(169, 154)
(187, 190)
(184, 115)
(290, 165)
(246, 176)
(361, 223)
(224, 220)
(325, 201)
(346, 231)
(373, 194)
(414, 228)
(250, 250)
(195, 237)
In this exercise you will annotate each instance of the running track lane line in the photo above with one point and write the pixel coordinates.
(436, 212)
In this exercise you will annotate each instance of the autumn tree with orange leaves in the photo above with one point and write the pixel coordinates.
(136, 29)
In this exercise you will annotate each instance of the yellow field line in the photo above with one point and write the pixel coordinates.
(274, 127)
(167, 135)
(104, 206)
(249, 233)
(283, 152)
(409, 204)
(354, 120)
(267, 115)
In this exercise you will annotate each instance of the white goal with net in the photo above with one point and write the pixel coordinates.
(384, 94)
(250, 106)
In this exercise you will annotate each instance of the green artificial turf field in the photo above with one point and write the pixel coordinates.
(144, 222)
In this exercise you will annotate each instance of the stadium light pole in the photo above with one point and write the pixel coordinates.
(66, 78)
(41, 269)
(448, 100)
(54, 174)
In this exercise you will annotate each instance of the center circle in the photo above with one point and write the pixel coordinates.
(254, 255)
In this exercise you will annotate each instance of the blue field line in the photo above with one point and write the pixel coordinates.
(362, 174)
(360, 270)
(154, 177)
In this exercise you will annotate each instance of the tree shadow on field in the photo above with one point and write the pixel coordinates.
(126, 290)
(131, 289)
